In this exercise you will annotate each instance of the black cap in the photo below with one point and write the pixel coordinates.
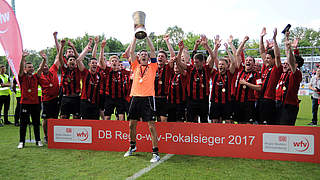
(286, 29)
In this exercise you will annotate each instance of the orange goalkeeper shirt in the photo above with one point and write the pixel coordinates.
(143, 79)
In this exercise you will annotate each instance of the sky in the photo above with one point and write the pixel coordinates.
(38, 19)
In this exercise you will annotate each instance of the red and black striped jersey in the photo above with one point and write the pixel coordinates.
(288, 87)
(177, 88)
(127, 85)
(70, 81)
(270, 77)
(91, 86)
(221, 86)
(198, 82)
(242, 92)
(113, 83)
(161, 82)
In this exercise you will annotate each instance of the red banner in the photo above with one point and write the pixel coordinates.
(225, 140)
(10, 37)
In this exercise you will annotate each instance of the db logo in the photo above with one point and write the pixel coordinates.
(82, 134)
(301, 145)
(68, 130)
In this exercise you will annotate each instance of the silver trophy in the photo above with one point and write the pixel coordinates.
(139, 21)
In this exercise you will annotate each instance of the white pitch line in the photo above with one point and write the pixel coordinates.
(147, 169)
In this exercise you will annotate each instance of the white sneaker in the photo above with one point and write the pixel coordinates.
(39, 143)
(21, 145)
(130, 152)
(45, 140)
(155, 158)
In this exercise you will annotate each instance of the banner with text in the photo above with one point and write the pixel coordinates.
(10, 37)
(225, 140)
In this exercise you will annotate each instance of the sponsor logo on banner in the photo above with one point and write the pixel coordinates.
(225, 140)
(10, 37)
(4, 19)
(72, 134)
(288, 143)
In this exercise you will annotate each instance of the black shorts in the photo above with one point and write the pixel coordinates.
(127, 104)
(50, 109)
(198, 108)
(101, 101)
(267, 111)
(245, 112)
(219, 110)
(288, 115)
(177, 112)
(142, 107)
(161, 106)
(70, 105)
(89, 110)
(112, 103)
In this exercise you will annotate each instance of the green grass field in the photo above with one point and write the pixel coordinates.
(33, 162)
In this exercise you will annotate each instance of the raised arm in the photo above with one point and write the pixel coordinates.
(102, 63)
(276, 48)
(43, 63)
(126, 54)
(76, 54)
(186, 55)
(132, 49)
(152, 49)
(22, 62)
(180, 64)
(261, 47)
(166, 39)
(95, 47)
(195, 48)
(290, 57)
(233, 48)
(214, 55)
(56, 41)
(196, 45)
(204, 42)
(239, 51)
(295, 44)
(56, 61)
(62, 44)
(232, 60)
(83, 54)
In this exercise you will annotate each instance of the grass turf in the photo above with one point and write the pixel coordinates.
(41, 163)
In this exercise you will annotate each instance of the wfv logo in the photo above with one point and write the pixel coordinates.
(302, 145)
(4, 18)
(83, 135)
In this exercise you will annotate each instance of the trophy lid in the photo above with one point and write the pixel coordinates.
(139, 18)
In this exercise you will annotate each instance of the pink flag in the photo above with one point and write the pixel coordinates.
(10, 37)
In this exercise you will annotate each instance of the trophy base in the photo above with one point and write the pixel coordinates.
(140, 35)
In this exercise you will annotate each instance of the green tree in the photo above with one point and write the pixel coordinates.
(114, 45)
(176, 34)
(3, 60)
(252, 48)
(308, 38)
(34, 58)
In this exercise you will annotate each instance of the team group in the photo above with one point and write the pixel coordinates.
(159, 88)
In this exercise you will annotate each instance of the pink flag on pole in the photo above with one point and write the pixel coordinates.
(10, 37)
